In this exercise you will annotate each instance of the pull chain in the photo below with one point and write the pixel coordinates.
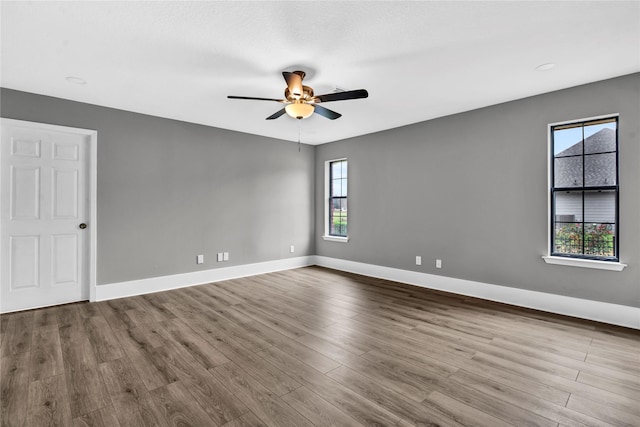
(298, 135)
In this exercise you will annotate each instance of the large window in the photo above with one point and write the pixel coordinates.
(584, 189)
(337, 206)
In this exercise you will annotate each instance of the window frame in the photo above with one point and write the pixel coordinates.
(328, 199)
(582, 260)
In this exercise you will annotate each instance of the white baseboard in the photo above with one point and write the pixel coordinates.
(175, 281)
(615, 314)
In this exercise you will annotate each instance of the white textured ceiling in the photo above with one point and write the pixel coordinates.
(418, 60)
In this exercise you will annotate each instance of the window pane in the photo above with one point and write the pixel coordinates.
(339, 188)
(599, 239)
(568, 172)
(336, 170)
(567, 142)
(336, 204)
(600, 207)
(600, 169)
(600, 138)
(568, 206)
(344, 169)
(336, 188)
(567, 238)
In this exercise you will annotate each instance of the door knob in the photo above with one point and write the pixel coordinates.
(83, 226)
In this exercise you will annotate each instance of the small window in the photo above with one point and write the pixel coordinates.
(337, 211)
(584, 189)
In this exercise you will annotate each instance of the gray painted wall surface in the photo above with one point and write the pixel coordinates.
(169, 190)
(471, 189)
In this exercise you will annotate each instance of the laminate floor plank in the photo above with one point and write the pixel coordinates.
(196, 311)
(70, 324)
(86, 310)
(46, 354)
(154, 304)
(523, 399)
(603, 412)
(396, 403)
(313, 347)
(105, 417)
(318, 410)
(104, 343)
(179, 408)
(45, 319)
(219, 308)
(353, 404)
(213, 396)
(247, 420)
(115, 312)
(14, 389)
(271, 377)
(268, 407)
(49, 402)
(463, 413)
(85, 387)
(144, 357)
(122, 380)
(622, 403)
(138, 413)
(608, 384)
(200, 349)
(17, 335)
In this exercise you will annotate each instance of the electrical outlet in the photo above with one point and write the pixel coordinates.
(438, 263)
(220, 257)
(200, 259)
(418, 260)
(225, 256)
(292, 249)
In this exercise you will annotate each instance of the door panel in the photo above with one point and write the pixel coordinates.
(25, 262)
(65, 259)
(44, 198)
(25, 193)
(65, 194)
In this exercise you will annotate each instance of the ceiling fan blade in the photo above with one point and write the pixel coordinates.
(342, 96)
(325, 112)
(276, 114)
(294, 82)
(255, 99)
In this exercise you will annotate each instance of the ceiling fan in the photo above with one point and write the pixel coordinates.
(301, 103)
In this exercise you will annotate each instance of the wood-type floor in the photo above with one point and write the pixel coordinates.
(313, 347)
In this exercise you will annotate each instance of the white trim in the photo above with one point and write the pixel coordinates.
(586, 263)
(175, 281)
(93, 192)
(615, 314)
(335, 239)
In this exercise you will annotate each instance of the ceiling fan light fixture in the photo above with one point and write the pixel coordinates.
(299, 110)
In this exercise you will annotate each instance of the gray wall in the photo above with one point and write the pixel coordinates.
(471, 189)
(169, 190)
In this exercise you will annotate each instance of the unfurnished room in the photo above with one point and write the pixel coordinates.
(319, 213)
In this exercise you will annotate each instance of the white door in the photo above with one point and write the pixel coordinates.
(44, 202)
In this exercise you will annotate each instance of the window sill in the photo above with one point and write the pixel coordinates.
(335, 239)
(586, 263)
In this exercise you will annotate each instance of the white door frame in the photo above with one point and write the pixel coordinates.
(92, 186)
